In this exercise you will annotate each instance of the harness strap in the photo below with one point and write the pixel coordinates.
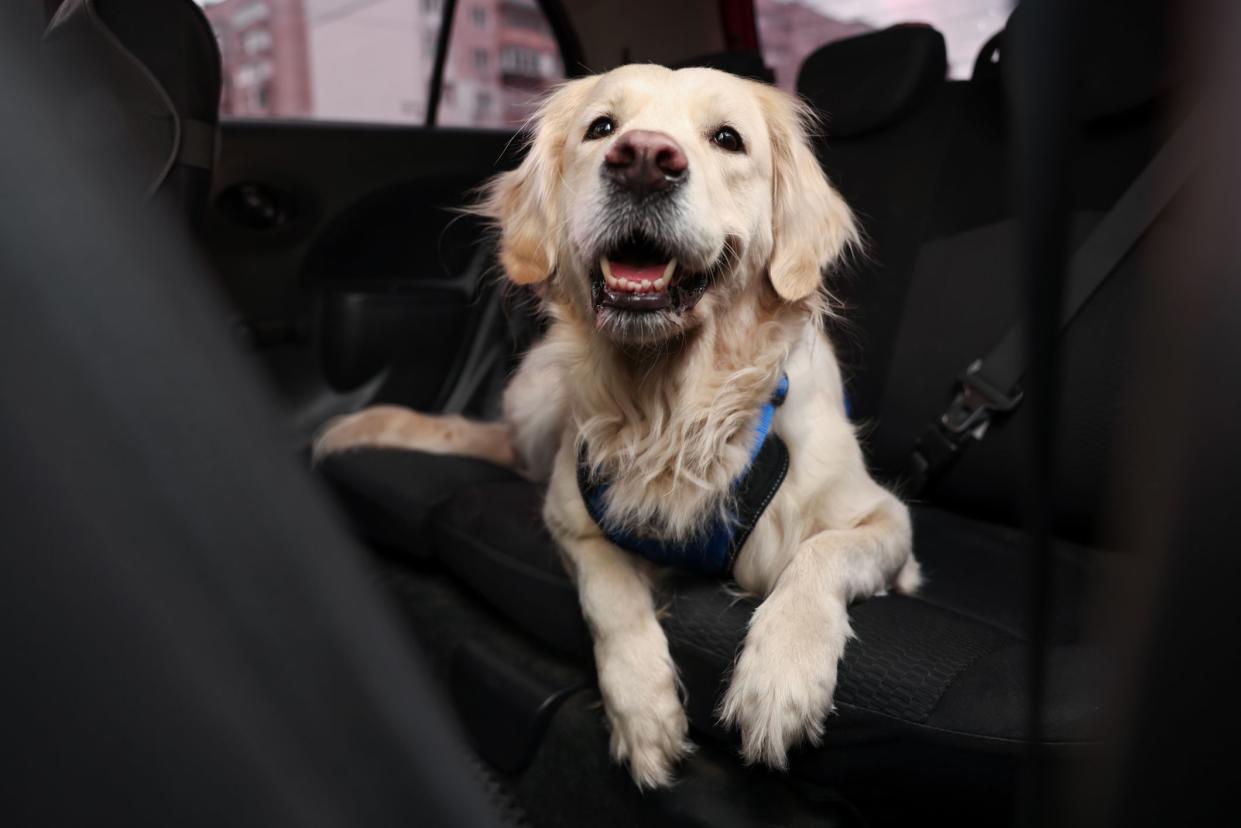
(715, 549)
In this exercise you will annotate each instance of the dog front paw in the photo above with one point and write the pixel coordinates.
(649, 726)
(651, 743)
(782, 686)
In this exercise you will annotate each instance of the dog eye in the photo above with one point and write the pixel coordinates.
(728, 139)
(600, 128)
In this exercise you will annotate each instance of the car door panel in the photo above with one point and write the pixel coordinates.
(347, 243)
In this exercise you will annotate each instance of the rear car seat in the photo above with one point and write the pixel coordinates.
(961, 292)
(934, 686)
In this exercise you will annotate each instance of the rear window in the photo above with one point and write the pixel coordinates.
(373, 60)
(789, 30)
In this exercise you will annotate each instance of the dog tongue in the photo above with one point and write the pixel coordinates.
(638, 273)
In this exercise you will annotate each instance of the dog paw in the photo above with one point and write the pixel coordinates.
(651, 743)
(782, 686)
(909, 579)
(650, 731)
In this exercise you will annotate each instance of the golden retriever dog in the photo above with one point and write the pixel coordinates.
(677, 227)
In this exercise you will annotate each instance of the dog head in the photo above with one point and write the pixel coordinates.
(651, 198)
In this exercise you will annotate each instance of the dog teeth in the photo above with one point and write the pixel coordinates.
(620, 283)
(608, 279)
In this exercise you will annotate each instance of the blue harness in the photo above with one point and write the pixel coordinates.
(715, 549)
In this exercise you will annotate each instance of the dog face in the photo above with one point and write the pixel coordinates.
(651, 198)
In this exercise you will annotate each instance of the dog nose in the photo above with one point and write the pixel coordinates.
(645, 161)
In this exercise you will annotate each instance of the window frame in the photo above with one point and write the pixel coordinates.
(571, 57)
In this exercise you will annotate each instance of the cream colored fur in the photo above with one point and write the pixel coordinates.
(670, 423)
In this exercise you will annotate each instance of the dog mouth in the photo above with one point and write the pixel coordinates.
(641, 276)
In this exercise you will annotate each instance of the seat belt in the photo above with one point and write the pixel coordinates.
(990, 386)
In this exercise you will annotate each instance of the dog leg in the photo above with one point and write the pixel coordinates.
(391, 426)
(785, 677)
(637, 678)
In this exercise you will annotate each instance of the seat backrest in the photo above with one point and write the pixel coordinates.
(887, 112)
(932, 186)
(154, 91)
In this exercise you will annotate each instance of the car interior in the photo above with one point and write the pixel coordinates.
(350, 276)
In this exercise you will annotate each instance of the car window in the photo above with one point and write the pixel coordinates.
(501, 59)
(373, 60)
(789, 30)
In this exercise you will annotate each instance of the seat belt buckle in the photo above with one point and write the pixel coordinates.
(967, 416)
(976, 401)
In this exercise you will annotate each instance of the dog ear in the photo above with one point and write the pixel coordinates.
(522, 202)
(812, 227)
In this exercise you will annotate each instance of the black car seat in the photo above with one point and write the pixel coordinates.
(156, 101)
(961, 292)
(933, 691)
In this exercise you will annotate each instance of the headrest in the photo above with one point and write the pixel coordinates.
(1127, 55)
(174, 41)
(867, 82)
(150, 80)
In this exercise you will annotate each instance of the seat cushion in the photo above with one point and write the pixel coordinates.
(947, 665)
(389, 494)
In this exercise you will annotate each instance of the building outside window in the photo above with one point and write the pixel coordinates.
(372, 60)
(255, 41)
(482, 106)
(520, 60)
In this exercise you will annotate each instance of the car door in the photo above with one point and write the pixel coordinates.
(353, 134)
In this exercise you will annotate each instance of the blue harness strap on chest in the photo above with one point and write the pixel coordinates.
(715, 549)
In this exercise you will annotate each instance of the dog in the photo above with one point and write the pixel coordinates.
(677, 228)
